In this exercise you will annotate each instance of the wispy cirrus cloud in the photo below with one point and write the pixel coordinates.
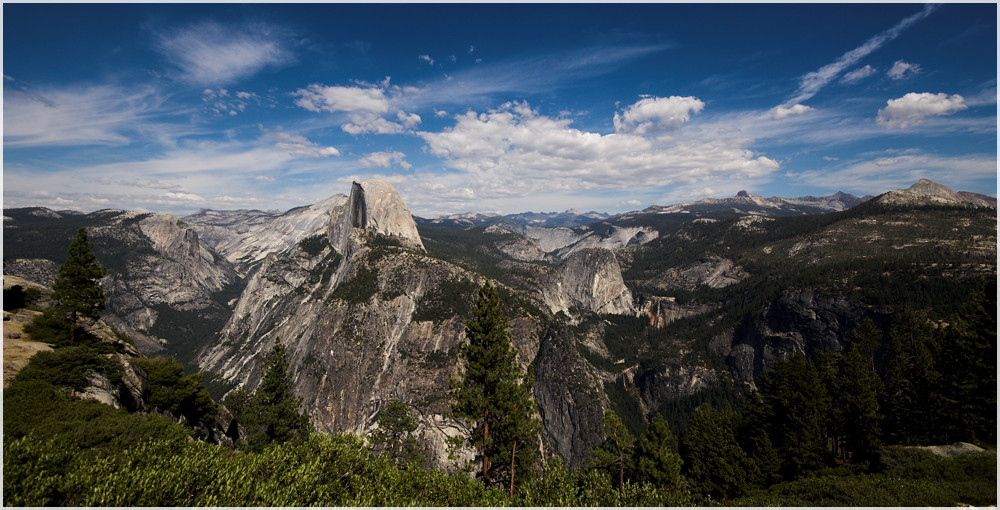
(79, 115)
(813, 82)
(895, 169)
(858, 74)
(528, 74)
(213, 53)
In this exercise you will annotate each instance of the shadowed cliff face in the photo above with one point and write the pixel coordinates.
(797, 322)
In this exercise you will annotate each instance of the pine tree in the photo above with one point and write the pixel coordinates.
(77, 289)
(967, 364)
(715, 461)
(394, 437)
(272, 414)
(856, 390)
(616, 451)
(494, 395)
(656, 457)
(797, 404)
(913, 399)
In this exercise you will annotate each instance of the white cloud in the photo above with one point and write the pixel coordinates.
(652, 113)
(367, 104)
(93, 115)
(811, 83)
(881, 172)
(426, 58)
(781, 112)
(210, 53)
(371, 123)
(263, 178)
(900, 69)
(318, 98)
(385, 160)
(190, 197)
(858, 74)
(913, 108)
(300, 146)
(513, 151)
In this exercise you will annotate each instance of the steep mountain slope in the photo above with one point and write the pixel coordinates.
(245, 238)
(164, 287)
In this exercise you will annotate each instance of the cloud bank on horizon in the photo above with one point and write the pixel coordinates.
(172, 108)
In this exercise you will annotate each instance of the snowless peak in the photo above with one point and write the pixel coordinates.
(743, 193)
(376, 207)
(923, 191)
(931, 188)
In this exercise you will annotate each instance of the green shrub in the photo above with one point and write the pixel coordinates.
(314, 245)
(172, 390)
(69, 367)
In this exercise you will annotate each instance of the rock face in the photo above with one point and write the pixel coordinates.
(166, 272)
(799, 321)
(590, 280)
(245, 238)
(570, 397)
(712, 271)
(664, 310)
(164, 287)
(373, 320)
(41, 271)
(374, 207)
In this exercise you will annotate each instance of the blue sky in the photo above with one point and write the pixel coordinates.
(491, 108)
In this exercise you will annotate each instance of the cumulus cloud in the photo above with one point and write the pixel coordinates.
(858, 74)
(211, 53)
(652, 113)
(913, 108)
(385, 159)
(900, 69)
(811, 83)
(317, 98)
(780, 112)
(426, 58)
(514, 150)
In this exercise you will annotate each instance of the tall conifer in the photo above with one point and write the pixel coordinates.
(494, 395)
(77, 289)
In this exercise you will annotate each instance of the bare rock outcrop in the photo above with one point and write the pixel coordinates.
(712, 271)
(246, 238)
(375, 207)
(590, 280)
(926, 191)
